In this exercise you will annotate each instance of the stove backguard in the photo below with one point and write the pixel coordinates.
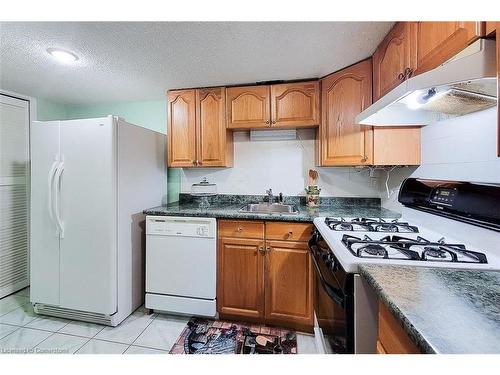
(472, 203)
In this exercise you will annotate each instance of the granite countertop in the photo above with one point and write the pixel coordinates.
(227, 207)
(443, 310)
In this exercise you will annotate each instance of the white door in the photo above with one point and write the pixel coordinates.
(44, 233)
(14, 193)
(88, 255)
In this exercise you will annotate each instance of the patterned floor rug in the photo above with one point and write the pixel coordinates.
(206, 336)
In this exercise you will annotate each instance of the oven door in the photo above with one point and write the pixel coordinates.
(333, 302)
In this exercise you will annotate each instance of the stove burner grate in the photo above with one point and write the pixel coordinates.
(369, 225)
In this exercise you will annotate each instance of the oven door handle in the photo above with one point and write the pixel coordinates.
(334, 293)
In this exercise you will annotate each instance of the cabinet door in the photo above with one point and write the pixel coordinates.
(240, 277)
(211, 134)
(248, 107)
(288, 283)
(295, 105)
(394, 59)
(181, 133)
(439, 41)
(345, 94)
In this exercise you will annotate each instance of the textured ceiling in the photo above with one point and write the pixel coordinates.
(126, 61)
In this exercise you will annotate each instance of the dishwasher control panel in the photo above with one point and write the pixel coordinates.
(180, 226)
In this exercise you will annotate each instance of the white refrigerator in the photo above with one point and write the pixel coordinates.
(90, 181)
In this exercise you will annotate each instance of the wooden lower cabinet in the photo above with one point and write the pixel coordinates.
(392, 339)
(288, 284)
(240, 277)
(265, 280)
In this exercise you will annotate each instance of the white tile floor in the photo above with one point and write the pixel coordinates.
(23, 331)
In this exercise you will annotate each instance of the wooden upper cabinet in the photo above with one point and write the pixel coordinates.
(181, 128)
(248, 107)
(439, 41)
(345, 94)
(395, 59)
(288, 105)
(295, 104)
(288, 286)
(396, 145)
(214, 145)
(240, 278)
(197, 135)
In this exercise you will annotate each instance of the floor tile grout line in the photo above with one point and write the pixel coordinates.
(145, 328)
(53, 333)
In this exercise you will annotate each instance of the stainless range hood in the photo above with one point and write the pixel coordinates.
(464, 84)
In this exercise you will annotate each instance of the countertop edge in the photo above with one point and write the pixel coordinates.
(417, 338)
(234, 216)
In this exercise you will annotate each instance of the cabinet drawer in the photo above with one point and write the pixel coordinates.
(240, 228)
(288, 231)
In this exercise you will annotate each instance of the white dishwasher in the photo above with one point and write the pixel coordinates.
(181, 265)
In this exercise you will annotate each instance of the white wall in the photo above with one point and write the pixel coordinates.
(463, 149)
(282, 166)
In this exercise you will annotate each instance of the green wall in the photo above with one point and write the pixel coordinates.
(48, 110)
(148, 114)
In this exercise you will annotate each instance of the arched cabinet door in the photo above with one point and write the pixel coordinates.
(248, 107)
(181, 133)
(394, 59)
(295, 105)
(344, 95)
(214, 145)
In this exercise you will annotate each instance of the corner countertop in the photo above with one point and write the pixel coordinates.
(231, 211)
(443, 310)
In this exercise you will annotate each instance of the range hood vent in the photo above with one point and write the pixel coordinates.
(464, 84)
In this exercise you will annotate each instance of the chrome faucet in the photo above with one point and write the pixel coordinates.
(270, 195)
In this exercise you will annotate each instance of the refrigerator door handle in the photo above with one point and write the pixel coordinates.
(50, 185)
(57, 190)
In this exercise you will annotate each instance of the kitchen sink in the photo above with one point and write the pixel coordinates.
(267, 208)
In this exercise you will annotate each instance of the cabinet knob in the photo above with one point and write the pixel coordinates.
(194, 162)
(239, 229)
(273, 122)
(268, 248)
(290, 234)
(267, 122)
(365, 158)
(261, 249)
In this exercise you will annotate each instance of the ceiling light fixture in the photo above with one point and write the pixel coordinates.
(62, 56)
